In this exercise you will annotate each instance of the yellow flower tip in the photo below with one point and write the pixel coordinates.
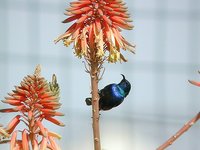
(38, 70)
(132, 48)
(53, 134)
(55, 121)
(114, 56)
(4, 133)
(100, 53)
(56, 40)
(130, 27)
(67, 41)
(79, 55)
(61, 37)
(123, 58)
(54, 79)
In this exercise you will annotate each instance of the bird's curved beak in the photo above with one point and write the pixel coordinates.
(123, 77)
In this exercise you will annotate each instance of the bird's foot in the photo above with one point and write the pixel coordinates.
(88, 101)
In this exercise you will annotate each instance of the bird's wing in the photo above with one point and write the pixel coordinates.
(106, 90)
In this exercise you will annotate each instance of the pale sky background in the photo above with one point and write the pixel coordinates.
(167, 35)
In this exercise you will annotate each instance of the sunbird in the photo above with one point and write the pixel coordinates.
(112, 95)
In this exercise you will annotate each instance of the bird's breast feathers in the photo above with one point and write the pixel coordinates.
(118, 92)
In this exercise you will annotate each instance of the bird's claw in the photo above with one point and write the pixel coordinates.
(88, 101)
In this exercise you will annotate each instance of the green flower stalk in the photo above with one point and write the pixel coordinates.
(96, 36)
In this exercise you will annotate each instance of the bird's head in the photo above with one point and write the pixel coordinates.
(125, 85)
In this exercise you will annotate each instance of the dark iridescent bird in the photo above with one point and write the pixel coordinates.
(112, 95)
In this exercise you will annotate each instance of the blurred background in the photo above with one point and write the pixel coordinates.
(167, 35)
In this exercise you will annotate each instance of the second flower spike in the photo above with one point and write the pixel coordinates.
(35, 100)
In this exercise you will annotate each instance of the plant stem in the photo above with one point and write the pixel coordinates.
(187, 126)
(95, 104)
(31, 135)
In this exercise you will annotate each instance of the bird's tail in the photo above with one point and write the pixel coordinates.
(88, 101)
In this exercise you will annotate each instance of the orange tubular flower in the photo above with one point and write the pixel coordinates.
(195, 82)
(97, 28)
(25, 144)
(13, 123)
(13, 140)
(35, 100)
